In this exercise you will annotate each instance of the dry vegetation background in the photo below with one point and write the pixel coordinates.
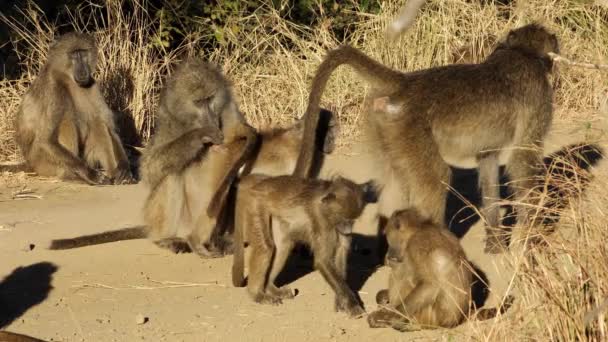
(271, 67)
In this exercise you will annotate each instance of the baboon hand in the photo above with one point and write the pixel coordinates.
(94, 177)
(349, 305)
(216, 137)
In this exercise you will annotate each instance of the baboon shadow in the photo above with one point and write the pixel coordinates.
(24, 288)
(118, 88)
(568, 174)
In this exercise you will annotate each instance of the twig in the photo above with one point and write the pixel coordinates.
(557, 58)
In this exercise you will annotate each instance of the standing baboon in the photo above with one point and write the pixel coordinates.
(275, 213)
(275, 153)
(64, 127)
(430, 280)
(460, 115)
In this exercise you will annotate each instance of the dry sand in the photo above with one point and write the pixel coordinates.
(100, 293)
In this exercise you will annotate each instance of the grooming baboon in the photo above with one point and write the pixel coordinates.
(275, 213)
(6, 336)
(461, 115)
(64, 127)
(275, 153)
(430, 280)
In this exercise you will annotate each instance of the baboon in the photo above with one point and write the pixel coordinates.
(275, 213)
(430, 280)
(6, 336)
(405, 18)
(462, 115)
(275, 153)
(64, 127)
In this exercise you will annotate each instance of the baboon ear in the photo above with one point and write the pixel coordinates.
(371, 191)
(328, 197)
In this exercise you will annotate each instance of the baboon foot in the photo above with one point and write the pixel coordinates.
(123, 176)
(382, 297)
(175, 245)
(207, 250)
(496, 244)
(378, 319)
(263, 298)
(350, 306)
(283, 292)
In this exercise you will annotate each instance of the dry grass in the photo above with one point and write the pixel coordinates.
(271, 68)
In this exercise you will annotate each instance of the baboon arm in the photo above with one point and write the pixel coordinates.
(423, 295)
(333, 278)
(217, 202)
(65, 160)
(173, 156)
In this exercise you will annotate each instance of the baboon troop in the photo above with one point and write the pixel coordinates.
(275, 213)
(64, 127)
(216, 186)
(430, 280)
(463, 115)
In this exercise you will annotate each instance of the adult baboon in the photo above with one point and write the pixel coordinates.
(275, 213)
(430, 280)
(275, 153)
(64, 127)
(461, 115)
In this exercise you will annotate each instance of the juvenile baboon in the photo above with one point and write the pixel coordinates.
(463, 115)
(430, 280)
(275, 213)
(275, 153)
(64, 128)
(6, 336)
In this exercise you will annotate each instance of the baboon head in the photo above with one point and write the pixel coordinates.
(533, 38)
(345, 200)
(74, 55)
(198, 95)
(399, 229)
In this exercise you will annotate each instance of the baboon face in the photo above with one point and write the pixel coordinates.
(200, 95)
(534, 38)
(346, 199)
(399, 229)
(76, 55)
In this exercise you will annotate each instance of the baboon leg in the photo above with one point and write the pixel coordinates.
(260, 260)
(345, 297)
(68, 136)
(100, 148)
(489, 178)
(122, 173)
(341, 261)
(426, 177)
(281, 255)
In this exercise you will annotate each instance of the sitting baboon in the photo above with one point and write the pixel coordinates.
(64, 127)
(275, 153)
(275, 213)
(430, 281)
(463, 115)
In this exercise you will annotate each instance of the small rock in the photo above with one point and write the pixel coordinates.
(141, 319)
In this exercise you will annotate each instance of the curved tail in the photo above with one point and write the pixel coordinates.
(131, 233)
(488, 313)
(15, 168)
(372, 70)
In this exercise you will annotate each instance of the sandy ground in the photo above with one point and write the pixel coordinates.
(98, 292)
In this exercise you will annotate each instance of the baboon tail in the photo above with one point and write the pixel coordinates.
(15, 168)
(364, 65)
(484, 314)
(6, 336)
(131, 233)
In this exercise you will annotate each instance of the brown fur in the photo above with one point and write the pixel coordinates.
(430, 280)
(64, 127)
(275, 213)
(460, 115)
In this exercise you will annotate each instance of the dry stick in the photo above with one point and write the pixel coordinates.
(167, 285)
(557, 58)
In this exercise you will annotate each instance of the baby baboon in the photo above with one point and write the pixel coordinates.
(275, 154)
(430, 280)
(275, 213)
(64, 127)
(463, 115)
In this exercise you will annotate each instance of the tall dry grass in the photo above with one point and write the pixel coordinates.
(272, 64)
